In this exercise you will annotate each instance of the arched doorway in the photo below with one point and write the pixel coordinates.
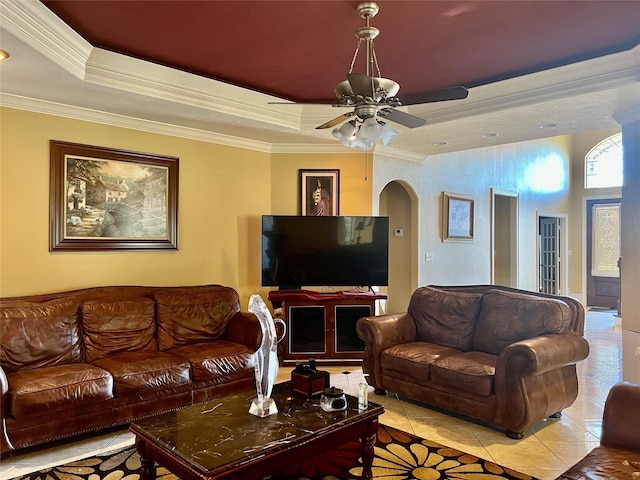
(396, 202)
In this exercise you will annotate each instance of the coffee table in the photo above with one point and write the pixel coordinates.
(220, 439)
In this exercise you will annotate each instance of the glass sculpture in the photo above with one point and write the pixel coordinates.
(266, 358)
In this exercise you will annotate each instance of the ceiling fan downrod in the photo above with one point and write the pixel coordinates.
(368, 33)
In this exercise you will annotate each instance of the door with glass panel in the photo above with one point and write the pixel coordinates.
(549, 255)
(603, 252)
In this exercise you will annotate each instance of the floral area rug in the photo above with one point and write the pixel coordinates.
(398, 456)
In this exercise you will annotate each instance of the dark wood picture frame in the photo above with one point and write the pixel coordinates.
(320, 192)
(107, 199)
(457, 217)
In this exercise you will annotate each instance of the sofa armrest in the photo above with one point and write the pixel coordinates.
(534, 379)
(5, 443)
(379, 333)
(544, 353)
(621, 417)
(244, 328)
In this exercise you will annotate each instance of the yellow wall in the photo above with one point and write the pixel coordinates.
(355, 184)
(223, 191)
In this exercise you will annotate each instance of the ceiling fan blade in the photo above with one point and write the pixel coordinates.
(335, 121)
(319, 102)
(451, 93)
(405, 119)
(361, 84)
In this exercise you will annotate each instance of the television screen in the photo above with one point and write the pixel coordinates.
(324, 251)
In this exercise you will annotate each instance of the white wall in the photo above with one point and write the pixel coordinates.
(539, 171)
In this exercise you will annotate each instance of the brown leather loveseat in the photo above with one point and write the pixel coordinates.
(618, 456)
(504, 356)
(84, 360)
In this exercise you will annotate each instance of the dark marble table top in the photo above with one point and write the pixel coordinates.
(221, 433)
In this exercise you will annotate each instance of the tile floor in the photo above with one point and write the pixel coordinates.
(545, 451)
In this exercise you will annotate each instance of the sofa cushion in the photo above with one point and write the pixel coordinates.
(218, 358)
(193, 317)
(412, 361)
(115, 326)
(508, 317)
(40, 335)
(443, 317)
(605, 463)
(134, 372)
(58, 387)
(471, 372)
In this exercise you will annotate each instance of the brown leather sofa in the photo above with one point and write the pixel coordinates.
(501, 355)
(618, 456)
(84, 360)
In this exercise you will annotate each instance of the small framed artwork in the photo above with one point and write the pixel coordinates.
(106, 199)
(457, 215)
(320, 193)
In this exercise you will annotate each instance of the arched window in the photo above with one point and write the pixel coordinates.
(603, 164)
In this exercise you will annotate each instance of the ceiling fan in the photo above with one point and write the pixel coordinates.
(374, 98)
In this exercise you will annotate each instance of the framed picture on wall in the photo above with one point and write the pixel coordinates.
(320, 193)
(106, 199)
(457, 216)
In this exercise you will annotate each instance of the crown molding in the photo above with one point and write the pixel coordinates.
(628, 116)
(310, 148)
(43, 31)
(132, 75)
(386, 152)
(104, 118)
(38, 27)
(589, 76)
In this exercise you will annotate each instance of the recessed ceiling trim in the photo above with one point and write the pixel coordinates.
(580, 78)
(311, 148)
(43, 31)
(118, 71)
(383, 152)
(105, 118)
(632, 114)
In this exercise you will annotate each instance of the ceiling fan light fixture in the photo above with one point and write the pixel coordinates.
(346, 133)
(365, 133)
(361, 143)
(388, 134)
(370, 130)
(374, 98)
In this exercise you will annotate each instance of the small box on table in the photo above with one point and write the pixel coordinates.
(309, 384)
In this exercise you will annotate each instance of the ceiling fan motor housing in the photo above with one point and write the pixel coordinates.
(382, 88)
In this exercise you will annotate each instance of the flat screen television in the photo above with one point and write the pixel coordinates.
(324, 251)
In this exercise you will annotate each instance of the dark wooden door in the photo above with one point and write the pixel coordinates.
(603, 251)
(549, 254)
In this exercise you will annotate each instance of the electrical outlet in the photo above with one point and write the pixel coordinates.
(428, 257)
(398, 232)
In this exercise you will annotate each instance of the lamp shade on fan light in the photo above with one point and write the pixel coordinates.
(365, 135)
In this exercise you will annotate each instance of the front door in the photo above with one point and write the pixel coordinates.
(603, 252)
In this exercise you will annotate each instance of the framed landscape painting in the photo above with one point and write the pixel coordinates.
(457, 215)
(107, 199)
(320, 193)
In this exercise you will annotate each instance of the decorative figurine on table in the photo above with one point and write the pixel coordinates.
(266, 358)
